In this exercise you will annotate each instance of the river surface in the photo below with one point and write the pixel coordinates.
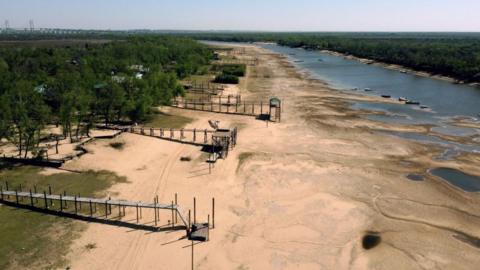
(446, 101)
(443, 103)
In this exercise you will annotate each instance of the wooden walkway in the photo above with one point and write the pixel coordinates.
(91, 207)
(198, 137)
(238, 108)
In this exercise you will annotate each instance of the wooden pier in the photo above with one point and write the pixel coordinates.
(198, 137)
(104, 210)
(250, 108)
(248, 62)
(93, 208)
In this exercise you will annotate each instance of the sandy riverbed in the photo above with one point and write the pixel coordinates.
(303, 198)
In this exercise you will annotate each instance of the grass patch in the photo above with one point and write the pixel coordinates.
(243, 157)
(163, 120)
(117, 145)
(32, 240)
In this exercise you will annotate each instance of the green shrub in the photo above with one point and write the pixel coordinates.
(228, 79)
(238, 70)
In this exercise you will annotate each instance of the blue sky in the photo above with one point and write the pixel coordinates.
(267, 15)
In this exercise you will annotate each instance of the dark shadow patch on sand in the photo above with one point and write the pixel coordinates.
(371, 240)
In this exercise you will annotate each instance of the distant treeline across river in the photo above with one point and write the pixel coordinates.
(455, 55)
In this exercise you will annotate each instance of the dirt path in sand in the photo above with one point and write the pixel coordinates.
(302, 196)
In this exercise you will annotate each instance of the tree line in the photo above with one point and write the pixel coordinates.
(76, 86)
(451, 54)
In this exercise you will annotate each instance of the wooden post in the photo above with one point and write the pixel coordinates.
(173, 217)
(76, 210)
(35, 191)
(261, 107)
(208, 221)
(80, 202)
(50, 193)
(213, 213)
(158, 210)
(61, 203)
(211, 106)
(1, 192)
(189, 220)
(65, 195)
(155, 210)
(137, 214)
(45, 199)
(16, 196)
(109, 206)
(253, 108)
(244, 107)
(106, 209)
(31, 198)
(119, 212)
(194, 210)
(176, 214)
(205, 137)
(192, 255)
(194, 135)
(91, 210)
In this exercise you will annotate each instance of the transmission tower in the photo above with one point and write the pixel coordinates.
(32, 26)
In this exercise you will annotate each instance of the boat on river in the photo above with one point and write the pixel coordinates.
(411, 102)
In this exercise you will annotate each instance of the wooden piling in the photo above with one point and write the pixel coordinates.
(155, 210)
(91, 210)
(61, 203)
(194, 210)
(16, 196)
(50, 193)
(106, 209)
(31, 198)
(45, 198)
(176, 214)
(137, 214)
(35, 191)
(173, 217)
(213, 213)
(75, 202)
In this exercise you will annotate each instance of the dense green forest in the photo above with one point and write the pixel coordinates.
(451, 54)
(77, 85)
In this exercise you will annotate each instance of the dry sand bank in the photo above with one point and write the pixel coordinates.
(302, 196)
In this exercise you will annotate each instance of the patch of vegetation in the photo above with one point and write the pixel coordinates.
(32, 240)
(238, 70)
(243, 157)
(227, 79)
(117, 145)
(163, 120)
